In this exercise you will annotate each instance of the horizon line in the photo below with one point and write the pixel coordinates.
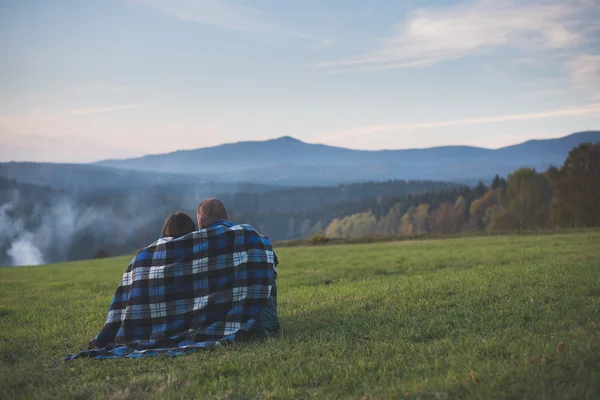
(287, 137)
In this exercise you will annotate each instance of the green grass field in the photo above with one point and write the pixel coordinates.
(489, 317)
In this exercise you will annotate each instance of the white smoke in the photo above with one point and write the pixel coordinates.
(23, 251)
(73, 226)
(52, 234)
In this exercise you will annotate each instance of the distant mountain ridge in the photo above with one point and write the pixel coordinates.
(290, 161)
(89, 177)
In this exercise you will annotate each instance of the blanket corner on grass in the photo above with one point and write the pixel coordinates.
(180, 295)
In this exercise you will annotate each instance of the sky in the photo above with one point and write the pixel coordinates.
(82, 81)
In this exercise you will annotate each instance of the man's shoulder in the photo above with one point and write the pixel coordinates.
(230, 227)
(249, 232)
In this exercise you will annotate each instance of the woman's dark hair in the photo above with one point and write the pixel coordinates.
(178, 224)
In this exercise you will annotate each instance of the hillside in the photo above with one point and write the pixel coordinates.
(77, 177)
(473, 318)
(87, 178)
(290, 161)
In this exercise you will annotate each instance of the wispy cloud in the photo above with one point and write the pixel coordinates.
(585, 72)
(324, 70)
(429, 36)
(100, 110)
(222, 14)
(230, 15)
(589, 110)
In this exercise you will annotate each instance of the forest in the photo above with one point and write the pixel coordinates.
(527, 200)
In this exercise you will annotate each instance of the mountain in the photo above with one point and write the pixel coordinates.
(83, 176)
(285, 151)
(87, 177)
(290, 161)
(556, 147)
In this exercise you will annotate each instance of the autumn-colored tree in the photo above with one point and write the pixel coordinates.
(363, 224)
(317, 229)
(479, 216)
(577, 185)
(559, 216)
(408, 222)
(441, 222)
(458, 214)
(334, 229)
(420, 218)
(355, 225)
(390, 224)
(524, 203)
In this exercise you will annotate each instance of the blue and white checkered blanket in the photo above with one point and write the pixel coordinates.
(180, 295)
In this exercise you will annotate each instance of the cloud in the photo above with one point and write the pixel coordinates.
(100, 110)
(589, 110)
(585, 72)
(222, 14)
(429, 36)
(379, 67)
(228, 15)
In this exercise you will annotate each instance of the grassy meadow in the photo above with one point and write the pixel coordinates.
(486, 317)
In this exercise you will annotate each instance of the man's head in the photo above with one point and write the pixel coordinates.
(211, 211)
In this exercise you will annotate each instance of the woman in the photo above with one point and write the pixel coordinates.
(177, 225)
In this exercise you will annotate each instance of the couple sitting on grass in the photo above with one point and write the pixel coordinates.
(192, 289)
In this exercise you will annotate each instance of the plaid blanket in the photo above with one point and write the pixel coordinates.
(180, 295)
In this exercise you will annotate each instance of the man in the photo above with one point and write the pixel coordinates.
(204, 289)
(212, 213)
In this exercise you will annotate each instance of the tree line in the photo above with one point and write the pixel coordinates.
(565, 197)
